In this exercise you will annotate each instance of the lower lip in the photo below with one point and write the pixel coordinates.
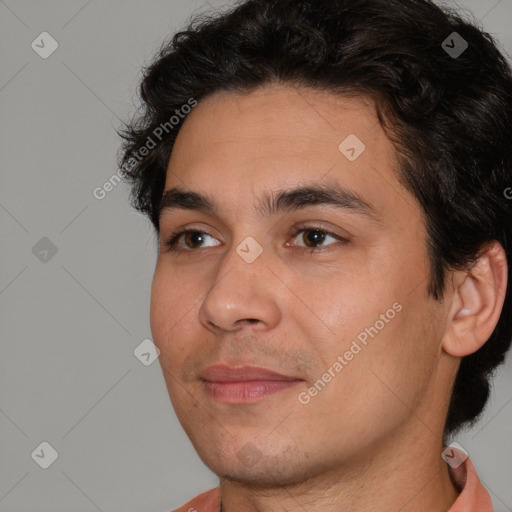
(247, 391)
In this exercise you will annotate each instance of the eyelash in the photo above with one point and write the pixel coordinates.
(171, 243)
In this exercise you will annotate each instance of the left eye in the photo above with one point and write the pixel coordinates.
(314, 237)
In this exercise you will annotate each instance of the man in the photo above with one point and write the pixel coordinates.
(327, 181)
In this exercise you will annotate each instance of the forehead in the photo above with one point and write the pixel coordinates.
(276, 122)
(238, 145)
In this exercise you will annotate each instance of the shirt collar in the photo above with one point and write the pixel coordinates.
(473, 495)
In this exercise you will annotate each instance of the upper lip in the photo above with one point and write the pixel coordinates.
(224, 373)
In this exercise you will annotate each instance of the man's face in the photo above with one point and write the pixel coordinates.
(337, 295)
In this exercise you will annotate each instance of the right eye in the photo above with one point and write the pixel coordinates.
(191, 237)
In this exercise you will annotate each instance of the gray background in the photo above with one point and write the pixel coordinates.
(70, 325)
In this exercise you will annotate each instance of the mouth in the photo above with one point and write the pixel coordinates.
(244, 384)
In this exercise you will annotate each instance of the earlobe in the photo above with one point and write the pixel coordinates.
(477, 301)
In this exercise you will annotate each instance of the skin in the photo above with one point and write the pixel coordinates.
(372, 438)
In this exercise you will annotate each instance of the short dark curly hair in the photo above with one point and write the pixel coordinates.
(449, 117)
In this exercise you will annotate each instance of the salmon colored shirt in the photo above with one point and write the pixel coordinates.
(473, 495)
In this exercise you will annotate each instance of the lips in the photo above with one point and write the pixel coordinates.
(224, 373)
(246, 384)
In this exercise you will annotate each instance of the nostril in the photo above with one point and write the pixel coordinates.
(249, 320)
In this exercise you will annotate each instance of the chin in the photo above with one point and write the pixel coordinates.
(263, 476)
(250, 466)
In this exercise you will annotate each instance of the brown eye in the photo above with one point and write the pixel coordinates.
(313, 237)
(192, 238)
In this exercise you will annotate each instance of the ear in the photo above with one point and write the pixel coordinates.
(477, 301)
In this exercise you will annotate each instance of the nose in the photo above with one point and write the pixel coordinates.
(241, 294)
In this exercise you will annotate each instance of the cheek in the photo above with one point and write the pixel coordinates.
(399, 362)
(160, 306)
(380, 386)
(343, 307)
(390, 336)
(169, 308)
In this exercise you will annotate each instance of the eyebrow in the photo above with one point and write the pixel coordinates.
(274, 202)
